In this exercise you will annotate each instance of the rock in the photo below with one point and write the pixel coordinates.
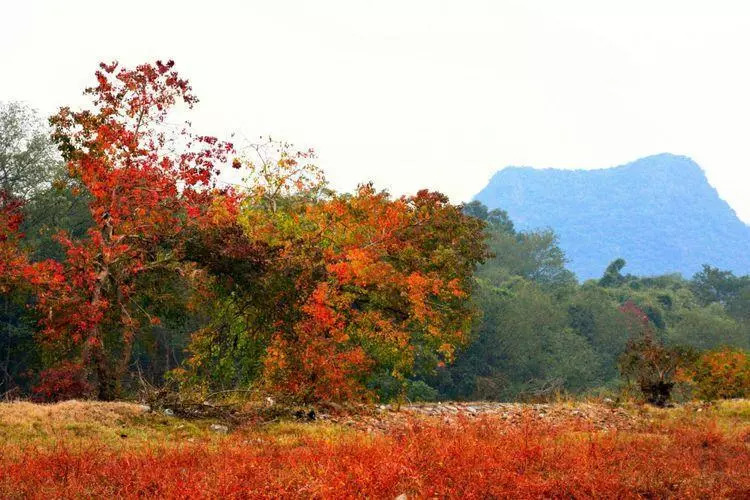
(144, 408)
(168, 412)
(221, 429)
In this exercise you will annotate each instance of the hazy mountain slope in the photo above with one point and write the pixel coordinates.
(659, 213)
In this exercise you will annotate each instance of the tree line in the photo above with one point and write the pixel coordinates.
(124, 256)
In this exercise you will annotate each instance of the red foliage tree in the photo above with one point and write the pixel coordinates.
(13, 260)
(15, 268)
(143, 196)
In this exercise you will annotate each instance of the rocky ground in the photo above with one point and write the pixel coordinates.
(383, 417)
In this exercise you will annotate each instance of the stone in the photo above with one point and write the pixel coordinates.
(221, 429)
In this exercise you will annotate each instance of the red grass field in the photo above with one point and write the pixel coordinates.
(467, 458)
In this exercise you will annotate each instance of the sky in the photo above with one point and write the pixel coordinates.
(423, 94)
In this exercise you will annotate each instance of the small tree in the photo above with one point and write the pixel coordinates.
(148, 184)
(648, 362)
(653, 367)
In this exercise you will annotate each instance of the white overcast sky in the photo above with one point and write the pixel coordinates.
(413, 94)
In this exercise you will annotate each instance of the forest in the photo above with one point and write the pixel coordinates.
(127, 258)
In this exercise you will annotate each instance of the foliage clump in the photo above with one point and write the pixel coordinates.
(721, 374)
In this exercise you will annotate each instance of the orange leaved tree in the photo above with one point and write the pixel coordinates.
(360, 286)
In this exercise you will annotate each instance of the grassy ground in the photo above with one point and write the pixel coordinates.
(93, 450)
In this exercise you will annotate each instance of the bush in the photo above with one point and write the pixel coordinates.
(722, 374)
(66, 380)
(420, 391)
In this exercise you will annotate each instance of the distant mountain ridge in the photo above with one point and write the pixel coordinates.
(659, 213)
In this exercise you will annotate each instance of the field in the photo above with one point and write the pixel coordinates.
(100, 450)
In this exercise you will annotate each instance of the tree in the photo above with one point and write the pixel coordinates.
(13, 261)
(355, 289)
(496, 218)
(28, 162)
(521, 345)
(27, 156)
(648, 362)
(383, 282)
(143, 196)
(714, 285)
(612, 276)
(707, 328)
(595, 315)
(18, 278)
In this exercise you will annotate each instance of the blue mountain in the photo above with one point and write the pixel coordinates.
(659, 213)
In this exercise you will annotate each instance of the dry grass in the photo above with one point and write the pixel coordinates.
(76, 424)
(74, 450)
(25, 413)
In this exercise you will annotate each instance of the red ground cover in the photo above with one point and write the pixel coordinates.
(470, 459)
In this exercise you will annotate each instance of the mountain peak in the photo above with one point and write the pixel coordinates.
(659, 213)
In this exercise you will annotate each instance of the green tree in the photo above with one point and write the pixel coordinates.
(612, 275)
(27, 157)
(714, 285)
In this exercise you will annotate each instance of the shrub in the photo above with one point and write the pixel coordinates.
(652, 366)
(420, 391)
(66, 380)
(722, 374)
